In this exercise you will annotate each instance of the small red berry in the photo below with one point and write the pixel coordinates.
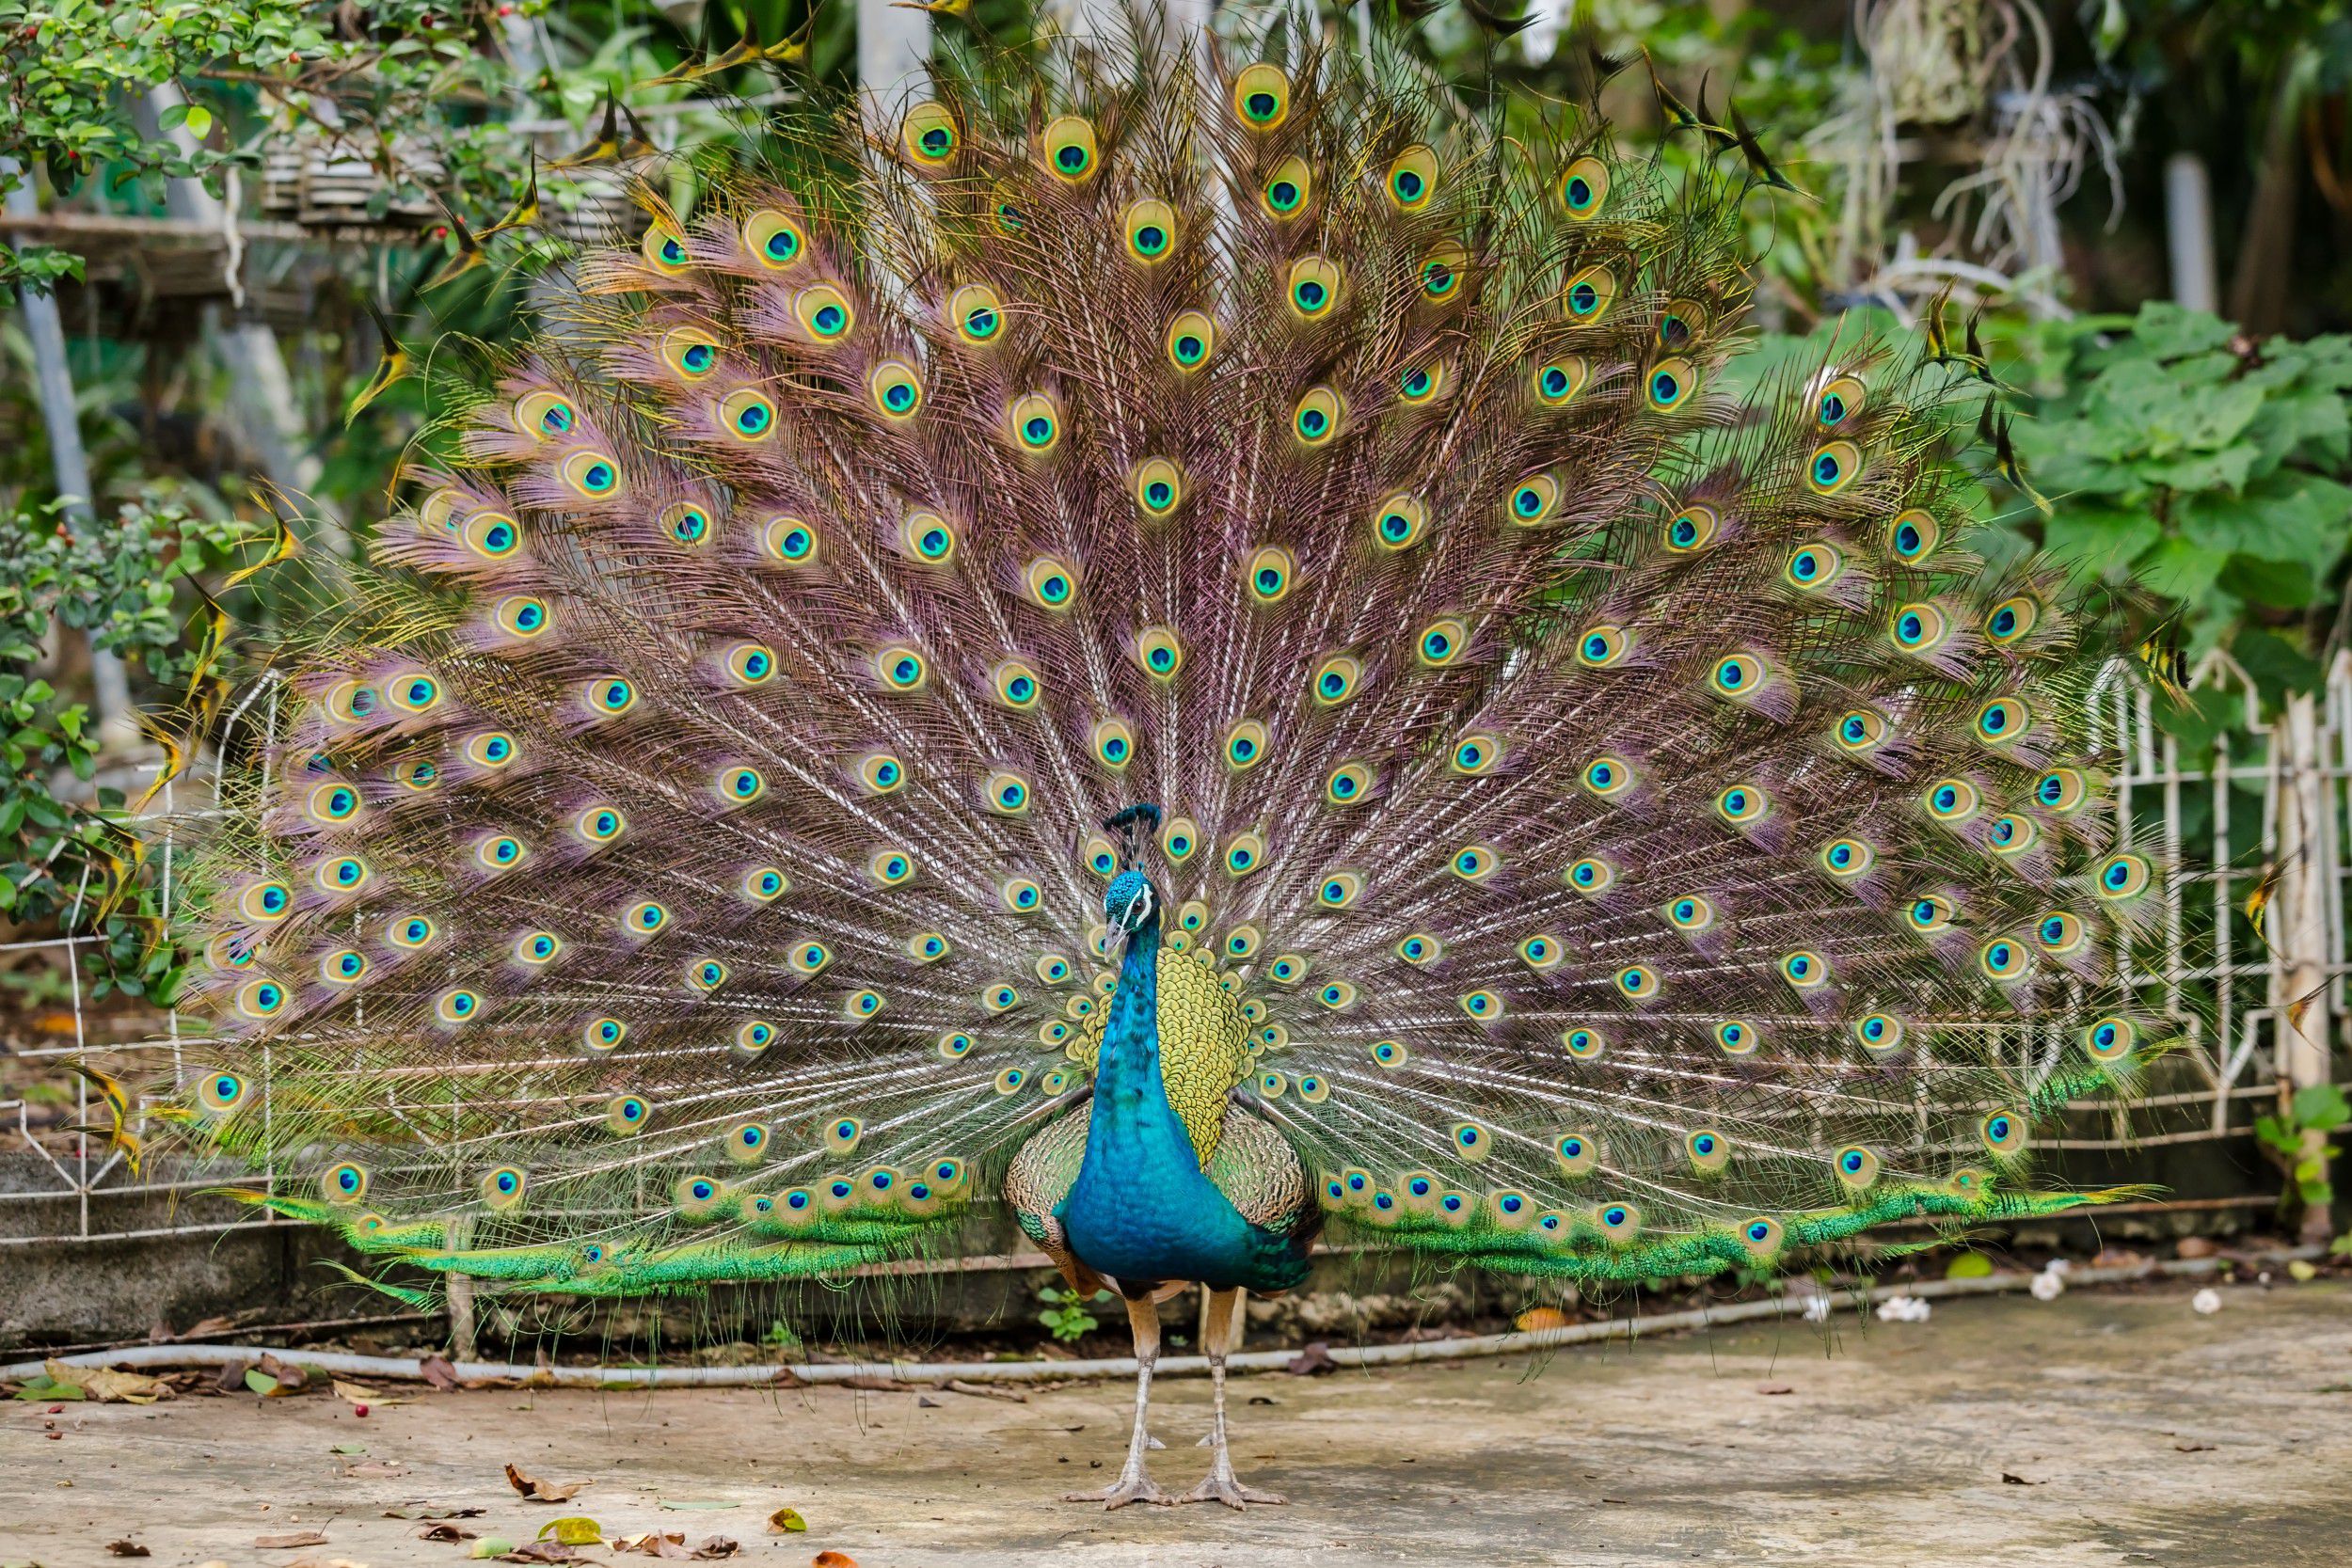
(358, 1410)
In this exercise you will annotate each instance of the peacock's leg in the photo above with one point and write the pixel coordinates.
(1219, 1484)
(1132, 1485)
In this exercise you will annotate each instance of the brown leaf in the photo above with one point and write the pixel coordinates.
(2007, 1480)
(433, 1511)
(291, 1380)
(655, 1543)
(1775, 1389)
(444, 1532)
(231, 1379)
(717, 1546)
(536, 1490)
(833, 1560)
(541, 1551)
(375, 1469)
(291, 1538)
(988, 1391)
(786, 1521)
(437, 1370)
(126, 1549)
(2192, 1448)
(359, 1393)
(879, 1385)
(1314, 1358)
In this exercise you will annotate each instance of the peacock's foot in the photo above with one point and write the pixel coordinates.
(1218, 1486)
(1131, 1487)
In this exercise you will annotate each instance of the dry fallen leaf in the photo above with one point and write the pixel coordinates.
(360, 1394)
(291, 1538)
(1536, 1320)
(786, 1521)
(537, 1491)
(292, 1379)
(126, 1549)
(714, 1547)
(1775, 1389)
(986, 1390)
(437, 1370)
(433, 1511)
(98, 1383)
(541, 1551)
(656, 1544)
(375, 1469)
(444, 1532)
(1315, 1357)
(833, 1560)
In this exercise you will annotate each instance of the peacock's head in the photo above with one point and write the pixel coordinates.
(1131, 902)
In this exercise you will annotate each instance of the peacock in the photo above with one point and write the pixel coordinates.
(1203, 642)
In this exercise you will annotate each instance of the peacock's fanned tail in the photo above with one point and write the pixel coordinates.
(1646, 837)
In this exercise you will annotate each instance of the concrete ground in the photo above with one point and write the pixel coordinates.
(2099, 1429)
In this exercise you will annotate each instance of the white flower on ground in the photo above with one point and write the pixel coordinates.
(2059, 1266)
(1816, 1309)
(2047, 1286)
(2207, 1300)
(1904, 1310)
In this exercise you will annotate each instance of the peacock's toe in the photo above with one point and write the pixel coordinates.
(1137, 1488)
(1218, 1486)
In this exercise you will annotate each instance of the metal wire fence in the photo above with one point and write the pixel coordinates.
(2236, 990)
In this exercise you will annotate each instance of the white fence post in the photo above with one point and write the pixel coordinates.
(2302, 932)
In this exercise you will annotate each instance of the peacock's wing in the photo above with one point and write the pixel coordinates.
(1638, 832)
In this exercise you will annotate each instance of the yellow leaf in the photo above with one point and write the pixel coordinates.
(1536, 1320)
(786, 1521)
(573, 1529)
(2302, 1272)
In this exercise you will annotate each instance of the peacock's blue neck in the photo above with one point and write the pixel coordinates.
(1133, 1126)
